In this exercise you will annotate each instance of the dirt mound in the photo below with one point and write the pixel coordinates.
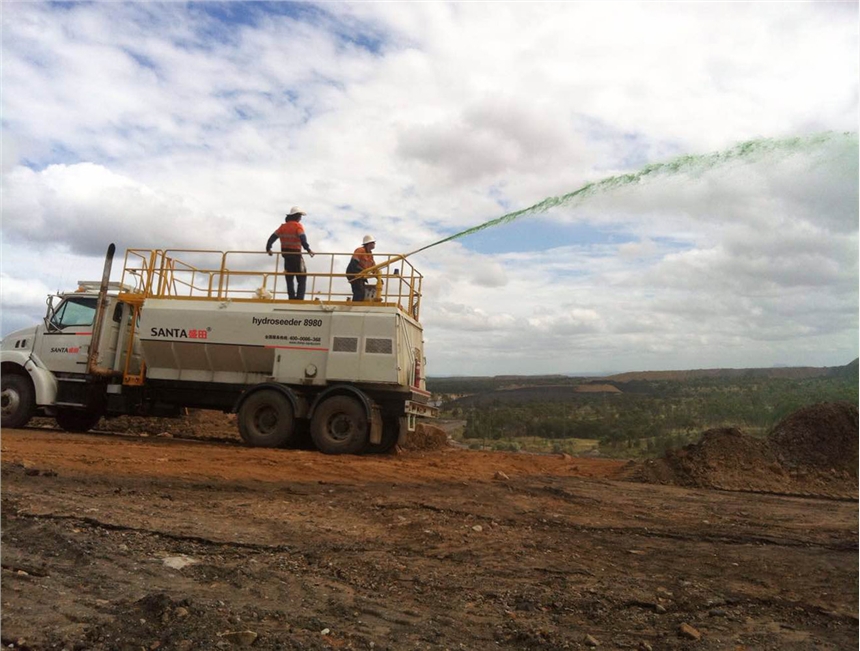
(820, 436)
(812, 452)
(426, 437)
(724, 458)
(196, 423)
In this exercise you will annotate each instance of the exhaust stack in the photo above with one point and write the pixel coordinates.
(92, 359)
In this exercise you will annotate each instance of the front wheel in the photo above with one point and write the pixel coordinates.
(266, 419)
(339, 426)
(17, 400)
(77, 420)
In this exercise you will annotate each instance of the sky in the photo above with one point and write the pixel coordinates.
(198, 125)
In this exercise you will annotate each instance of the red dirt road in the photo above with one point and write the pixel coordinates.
(131, 456)
(118, 542)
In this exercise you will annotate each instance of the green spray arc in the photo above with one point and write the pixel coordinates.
(749, 151)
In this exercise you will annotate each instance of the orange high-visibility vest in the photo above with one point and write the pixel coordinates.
(363, 257)
(290, 234)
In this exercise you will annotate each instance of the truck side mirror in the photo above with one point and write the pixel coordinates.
(49, 315)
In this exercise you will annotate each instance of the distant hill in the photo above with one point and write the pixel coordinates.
(628, 381)
(789, 373)
(462, 384)
(849, 370)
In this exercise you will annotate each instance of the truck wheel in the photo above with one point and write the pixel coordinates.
(77, 420)
(17, 399)
(339, 426)
(390, 434)
(266, 419)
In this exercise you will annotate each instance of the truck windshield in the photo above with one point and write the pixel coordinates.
(75, 311)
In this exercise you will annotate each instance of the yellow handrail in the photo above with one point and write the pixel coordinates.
(245, 276)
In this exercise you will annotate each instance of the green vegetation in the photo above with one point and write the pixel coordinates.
(641, 417)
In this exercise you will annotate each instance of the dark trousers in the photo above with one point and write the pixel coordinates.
(294, 267)
(358, 287)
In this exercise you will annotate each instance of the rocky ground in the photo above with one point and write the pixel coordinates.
(172, 542)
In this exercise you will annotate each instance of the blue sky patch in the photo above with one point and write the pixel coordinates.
(229, 16)
(250, 14)
(57, 155)
(531, 233)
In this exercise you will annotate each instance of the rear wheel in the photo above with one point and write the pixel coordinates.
(77, 420)
(17, 400)
(266, 419)
(339, 426)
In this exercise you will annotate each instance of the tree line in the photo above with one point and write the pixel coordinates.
(653, 416)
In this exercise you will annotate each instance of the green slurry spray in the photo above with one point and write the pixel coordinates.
(750, 151)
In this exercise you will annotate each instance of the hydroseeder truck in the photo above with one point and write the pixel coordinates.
(215, 330)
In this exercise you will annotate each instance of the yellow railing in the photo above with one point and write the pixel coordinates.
(255, 276)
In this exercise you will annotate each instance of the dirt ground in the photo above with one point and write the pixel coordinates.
(152, 541)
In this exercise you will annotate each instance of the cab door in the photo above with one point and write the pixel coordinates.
(65, 342)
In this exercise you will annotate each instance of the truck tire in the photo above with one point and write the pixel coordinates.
(266, 419)
(17, 400)
(77, 420)
(339, 426)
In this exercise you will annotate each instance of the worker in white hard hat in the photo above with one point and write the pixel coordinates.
(362, 258)
(293, 240)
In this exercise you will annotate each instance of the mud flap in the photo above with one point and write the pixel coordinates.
(375, 425)
(404, 430)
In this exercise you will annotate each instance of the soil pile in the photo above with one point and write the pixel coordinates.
(723, 458)
(821, 436)
(426, 437)
(196, 423)
(812, 452)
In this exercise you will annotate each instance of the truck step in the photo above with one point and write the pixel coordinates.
(69, 404)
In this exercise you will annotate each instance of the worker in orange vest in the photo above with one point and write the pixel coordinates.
(293, 240)
(362, 258)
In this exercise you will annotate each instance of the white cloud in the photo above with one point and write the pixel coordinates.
(458, 317)
(23, 292)
(85, 206)
(163, 125)
(23, 302)
(644, 248)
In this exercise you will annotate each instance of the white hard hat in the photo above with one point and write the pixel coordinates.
(295, 210)
(368, 239)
